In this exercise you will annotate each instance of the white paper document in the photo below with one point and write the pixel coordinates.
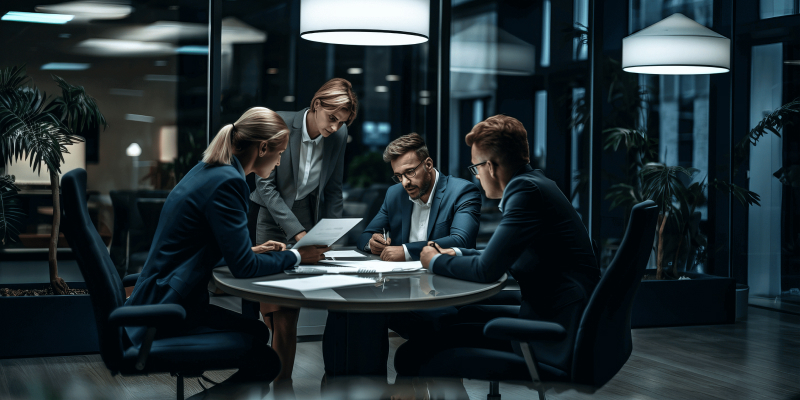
(375, 266)
(327, 232)
(344, 254)
(318, 282)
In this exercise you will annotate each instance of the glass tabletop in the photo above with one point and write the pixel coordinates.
(387, 292)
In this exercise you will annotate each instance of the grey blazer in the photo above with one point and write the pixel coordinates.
(277, 192)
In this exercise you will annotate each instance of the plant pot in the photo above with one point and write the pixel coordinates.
(742, 300)
(47, 325)
(701, 300)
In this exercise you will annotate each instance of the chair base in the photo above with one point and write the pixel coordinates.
(494, 391)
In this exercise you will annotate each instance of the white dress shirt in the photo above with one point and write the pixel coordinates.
(310, 163)
(420, 216)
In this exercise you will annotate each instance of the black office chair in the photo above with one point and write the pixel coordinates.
(131, 237)
(603, 340)
(183, 357)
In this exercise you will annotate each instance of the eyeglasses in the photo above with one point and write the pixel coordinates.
(408, 174)
(473, 169)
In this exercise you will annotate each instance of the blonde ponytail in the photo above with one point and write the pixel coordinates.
(257, 124)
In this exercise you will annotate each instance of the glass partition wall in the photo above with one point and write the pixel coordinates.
(527, 60)
(136, 60)
(147, 65)
(266, 63)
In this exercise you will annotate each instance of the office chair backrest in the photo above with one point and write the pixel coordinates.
(603, 343)
(99, 273)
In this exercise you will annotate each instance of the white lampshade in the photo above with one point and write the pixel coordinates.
(134, 150)
(676, 45)
(168, 141)
(365, 22)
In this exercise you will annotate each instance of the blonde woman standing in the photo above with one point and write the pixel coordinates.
(204, 220)
(306, 187)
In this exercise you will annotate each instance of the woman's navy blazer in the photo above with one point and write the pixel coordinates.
(202, 224)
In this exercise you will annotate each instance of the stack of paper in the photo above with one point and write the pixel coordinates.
(375, 266)
(334, 254)
(318, 282)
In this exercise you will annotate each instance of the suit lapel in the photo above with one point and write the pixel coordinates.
(295, 141)
(405, 206)
(437, 200)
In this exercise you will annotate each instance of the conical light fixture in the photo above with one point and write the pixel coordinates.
(676, 45)
(365, 22)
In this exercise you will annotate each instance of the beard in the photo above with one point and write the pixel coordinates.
(424, 189)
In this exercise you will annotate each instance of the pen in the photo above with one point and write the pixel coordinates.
(384, 236)
(434, 246)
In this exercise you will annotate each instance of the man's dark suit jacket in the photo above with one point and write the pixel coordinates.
(542, 242)
(204, 220)
(277, 192)
(453, 222)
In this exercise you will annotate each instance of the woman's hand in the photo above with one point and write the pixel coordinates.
(269, 245)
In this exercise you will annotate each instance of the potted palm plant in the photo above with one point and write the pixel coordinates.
(672, 292)
(36, 128)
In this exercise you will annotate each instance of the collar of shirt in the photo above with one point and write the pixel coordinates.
(433, 189)
(306, 137)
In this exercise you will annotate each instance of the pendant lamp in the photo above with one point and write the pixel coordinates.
(365, 22)
(676, 45)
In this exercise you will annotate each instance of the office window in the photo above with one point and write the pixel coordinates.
(670, 109)
(777, 8)
(139, 65)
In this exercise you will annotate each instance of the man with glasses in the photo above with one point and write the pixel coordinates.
(540, 241)
(425, 205)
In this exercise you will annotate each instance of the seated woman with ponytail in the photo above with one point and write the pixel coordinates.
(204, 220)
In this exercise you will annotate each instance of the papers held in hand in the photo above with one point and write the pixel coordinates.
(327, 232)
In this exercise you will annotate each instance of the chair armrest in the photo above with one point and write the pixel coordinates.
(130, 280)
(151, 315)
(524, 330)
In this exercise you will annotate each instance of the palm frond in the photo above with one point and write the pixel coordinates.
(622, 195)
(663, 185)
(744, 196)
(12, 78)
(789, 176)
(10, 214)
(76, 108)
(772, 123)
(29, 131)
(633, 139)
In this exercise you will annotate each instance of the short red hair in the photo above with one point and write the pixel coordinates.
(504, 137)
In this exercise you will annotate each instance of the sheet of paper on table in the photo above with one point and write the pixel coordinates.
(344, 254)
(318, 282)
(327, 232)
(376, 266)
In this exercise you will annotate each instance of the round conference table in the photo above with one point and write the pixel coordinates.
(397, 291)
(390, 292)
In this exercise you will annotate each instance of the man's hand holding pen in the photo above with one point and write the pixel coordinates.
(378, 242)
